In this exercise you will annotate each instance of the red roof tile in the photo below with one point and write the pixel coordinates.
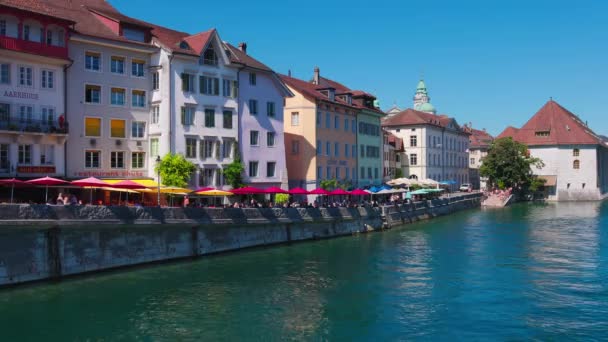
(238, 56)
(553, 125)
(198, 42)
(415, 117)
(478, 138)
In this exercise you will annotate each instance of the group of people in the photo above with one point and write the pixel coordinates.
(66, 199)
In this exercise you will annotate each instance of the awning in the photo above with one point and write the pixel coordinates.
(550, 180)
(149, 183)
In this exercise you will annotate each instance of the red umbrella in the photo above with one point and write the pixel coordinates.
(359, 192)
(339, 192)
(12, 182)
(203, 189)
(298, 191)
(275, 190)
(319, 191)
(248, 190)
(91, 182)
(46, 181)
(128, 184)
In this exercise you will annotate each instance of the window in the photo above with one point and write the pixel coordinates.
(25, 154)
(60, 38)
(576, 152)
(252, 78)
(227, 149)
(26, 76)
(353, 151)
(206, 177)
(270, 169)
(2, 29)
(91, 61)
(346, 148)
(542, 133)
(209, 56)
(47, 79)
(117, 96)
(227, 118)
(369, 172)
(472, 160)
(413, 159)
(337, 122)
(337, 172)
(26, 32)
(155, 114)
(226, 88)
(319, 147)
(154, 150)
(155, 80)
(134, 34)
(336, 149)
(92, 127)
(206, 149)
(138, 129)
(346, 124)
(26, 114)
(253, 107)
(253, 169)
(362, 172)
(346, 170)
(295, 118)
(376, 172)
(137, 68)
(209, 117)
(270, 109)
(328, 170)
(137, 160)
(48, 116)
(138, 98)
(117, 160)
(4, 157)
(117, 128)
(270, 139)
(319, 172)
(92, 93)
(187, 82)
(576, 164)
(318, 118)
(117, 65)
(295, 147)
(254, 138)
(209, 85)
(327, 148)
(327, 120)
(353, 126)
(5, 73)
(413, 141)
(362, 148)
(91, 159)
(190, 147)
(188, 115)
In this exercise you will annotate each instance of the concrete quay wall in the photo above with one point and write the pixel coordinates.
(39, 242)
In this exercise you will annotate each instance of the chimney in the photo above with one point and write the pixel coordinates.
(315, 79)
(243, 47)
(289, 72)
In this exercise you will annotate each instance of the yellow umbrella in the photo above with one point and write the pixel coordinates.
(174, 190)
(214, 192)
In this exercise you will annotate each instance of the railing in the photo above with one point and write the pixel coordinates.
(32, 125)
(37, 48)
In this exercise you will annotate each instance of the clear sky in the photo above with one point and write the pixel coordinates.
(492, 63)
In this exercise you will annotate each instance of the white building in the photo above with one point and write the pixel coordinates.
(33, 56)
(435, 145)
(194, 106)
(575, 158)
(479, 143)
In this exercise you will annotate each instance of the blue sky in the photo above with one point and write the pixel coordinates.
(492, 63)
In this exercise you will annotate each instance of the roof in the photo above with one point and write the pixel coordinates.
(198, 42)
(416, 117)
(238, 56)
(553, 125)
(36, 7)
(395, 141)
(479, 138)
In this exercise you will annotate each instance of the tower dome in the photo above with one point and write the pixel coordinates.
(422, 101)
(426, 107)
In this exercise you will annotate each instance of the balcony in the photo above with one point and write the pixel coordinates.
(26, 125)
(35, 48)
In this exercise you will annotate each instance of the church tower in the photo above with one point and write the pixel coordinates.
(422, 99)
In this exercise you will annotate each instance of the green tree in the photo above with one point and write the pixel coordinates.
(332, 184)
(281, 198)
(398, 173)
(509, 164)
(233, 173)
(175, 170)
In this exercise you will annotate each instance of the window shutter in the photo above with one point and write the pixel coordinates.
(183, 115)
(184, 82)
(235, 89)
(216, 86)
(201, 84)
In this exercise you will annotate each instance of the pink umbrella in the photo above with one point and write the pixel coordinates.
(339, 192)
(91, 182)
(128, 184)
(46, 181)
(298, 191)
(319, 191)
(359, 192)
(204, 189)
(275, 190)
(248, 190)
(12, 182)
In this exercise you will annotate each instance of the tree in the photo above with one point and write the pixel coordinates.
(281, 198)
(332, 184)
(398, 173)
(233, 173)
(175, 170)
(509, 164)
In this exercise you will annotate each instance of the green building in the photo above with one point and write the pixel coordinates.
(369, 140)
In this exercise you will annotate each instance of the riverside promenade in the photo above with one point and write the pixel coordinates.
(41, 242)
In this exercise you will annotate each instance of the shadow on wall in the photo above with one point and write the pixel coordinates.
(299, 154)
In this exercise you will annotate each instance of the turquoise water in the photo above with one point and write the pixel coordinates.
(525, 272)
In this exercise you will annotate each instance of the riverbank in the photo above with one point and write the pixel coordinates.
(40, 242)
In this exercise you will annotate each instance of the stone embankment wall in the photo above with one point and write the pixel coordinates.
(39, 242)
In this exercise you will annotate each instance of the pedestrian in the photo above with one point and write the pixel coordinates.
(186, 201)
(59, 200)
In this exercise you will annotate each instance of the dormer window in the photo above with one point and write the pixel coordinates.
(134, 34)
(184, 45)
(542, 133)
(209, 56)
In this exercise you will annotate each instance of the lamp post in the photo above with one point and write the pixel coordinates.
(158, 180)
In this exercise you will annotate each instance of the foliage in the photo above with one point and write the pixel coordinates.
(332, 184)
(398, 173)
(233, 172)
(509, 164)
(536, 183)
(281, 198)
(175, 170)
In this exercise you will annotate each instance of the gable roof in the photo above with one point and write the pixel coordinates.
(479, 138)
(198, 42)
(558, 125)
(239, 57)
(416, 117)
(35, 7)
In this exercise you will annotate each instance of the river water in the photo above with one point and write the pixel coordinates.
(531, 271)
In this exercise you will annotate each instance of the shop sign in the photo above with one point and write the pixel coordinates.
(35, 169)
(20, 95)
(110, 174)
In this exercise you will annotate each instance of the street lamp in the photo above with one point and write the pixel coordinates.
(158, 180)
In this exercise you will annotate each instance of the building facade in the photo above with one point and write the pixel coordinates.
(392, 156)
(370, 141)
(575, 158)
(479, 143)
(33, 124)
(260, 116)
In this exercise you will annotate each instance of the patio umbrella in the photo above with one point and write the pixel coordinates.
(91, 183)
(298, 191)
(46, 181)
(214, 192)
(318, 191)
(248, 190)
(205, 188)
(359, 192)
(339, 192)
(374, 189)
(12, 182)
(128, 185)
(276, 190)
